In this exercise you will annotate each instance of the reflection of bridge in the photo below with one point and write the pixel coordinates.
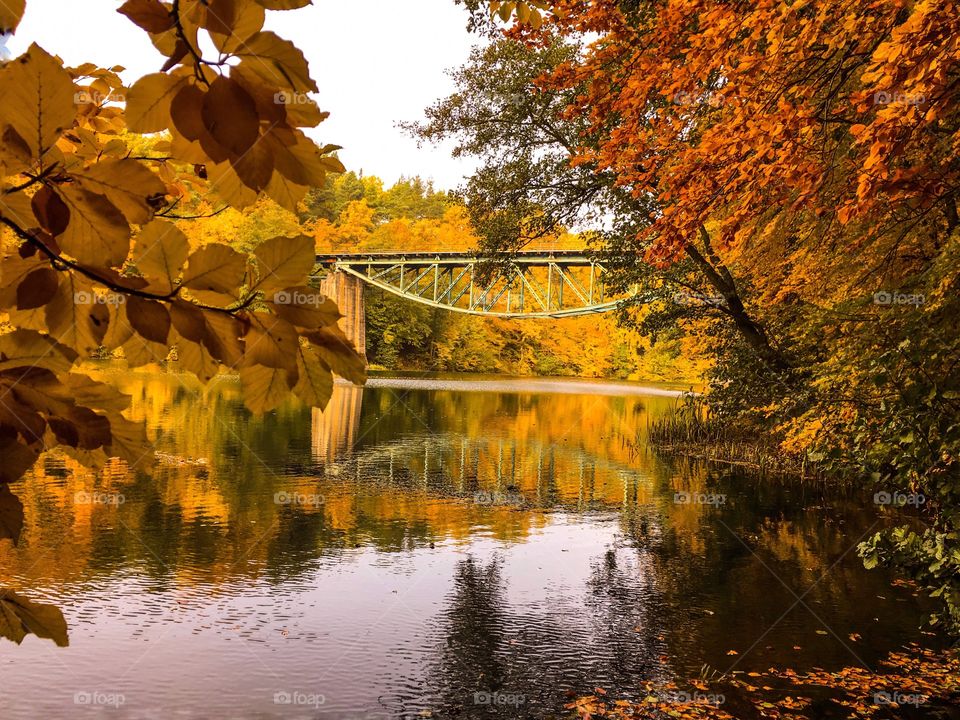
(497, 467)
(525, 285)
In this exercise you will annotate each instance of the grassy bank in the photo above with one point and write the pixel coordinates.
(692, 430)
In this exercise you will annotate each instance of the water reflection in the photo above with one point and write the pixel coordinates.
(414, 550)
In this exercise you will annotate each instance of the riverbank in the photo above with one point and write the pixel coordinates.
(512, 384)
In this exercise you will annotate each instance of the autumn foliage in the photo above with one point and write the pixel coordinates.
(95, 177)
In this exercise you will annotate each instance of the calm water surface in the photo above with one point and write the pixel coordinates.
(424, 548)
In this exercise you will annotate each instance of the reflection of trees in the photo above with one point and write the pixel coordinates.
(725, 574)
(208, 504)
(587, 637)
(475, 632)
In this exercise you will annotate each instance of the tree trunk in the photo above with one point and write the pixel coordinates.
(722, 281)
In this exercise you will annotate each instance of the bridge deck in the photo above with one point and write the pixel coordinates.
(526, 257)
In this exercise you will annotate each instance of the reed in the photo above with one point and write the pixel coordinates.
(692, 430)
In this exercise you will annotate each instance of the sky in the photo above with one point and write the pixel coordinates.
(376, 62)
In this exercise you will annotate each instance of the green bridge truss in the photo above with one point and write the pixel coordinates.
(524, 285)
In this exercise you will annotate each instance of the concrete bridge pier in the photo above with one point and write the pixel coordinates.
(347, 292)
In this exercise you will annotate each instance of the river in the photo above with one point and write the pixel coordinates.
(429, 547)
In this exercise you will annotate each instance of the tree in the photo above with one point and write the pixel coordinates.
(529, 187)
(94, 178)
(812, 150)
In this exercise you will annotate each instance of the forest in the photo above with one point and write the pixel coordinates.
(772, 189)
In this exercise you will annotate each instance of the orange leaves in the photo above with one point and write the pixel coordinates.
(768, 109)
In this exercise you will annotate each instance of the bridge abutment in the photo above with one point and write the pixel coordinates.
(347, 292)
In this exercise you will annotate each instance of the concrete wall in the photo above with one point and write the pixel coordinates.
(347, 292)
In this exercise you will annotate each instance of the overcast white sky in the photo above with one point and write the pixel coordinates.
(376, 62)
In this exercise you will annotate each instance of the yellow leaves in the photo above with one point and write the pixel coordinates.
(75, 316)
(284, 262)
(526, 10)
(304, 307)
(128, 184)
(277, 62)
(30, 349)
(285, 193)
(11, 12)
(229, 114)
(16, 206)
(264, 388)
(236, 120)
(231, 23)
(160, 254)
(149, 318)
(38, 101)
(215, 271)
(97, 233)
(315, 383)
(20, 617)
(272, 342)
(148, 102)
(151, 15)
(335, 350)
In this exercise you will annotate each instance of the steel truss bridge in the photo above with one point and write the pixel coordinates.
(531, 284)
